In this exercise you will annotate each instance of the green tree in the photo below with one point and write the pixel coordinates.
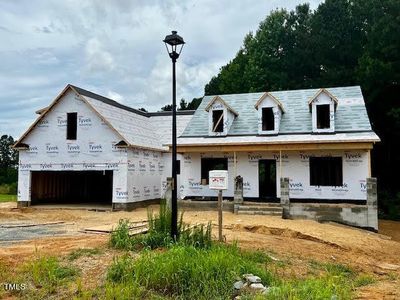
(167, 107)
(194, 104)
(8, 160)
(182, 105)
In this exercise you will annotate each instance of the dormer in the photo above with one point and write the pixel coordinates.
(322, 107)
(220, 117)
(270, 111)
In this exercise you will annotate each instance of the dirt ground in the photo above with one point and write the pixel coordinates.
(297, 241)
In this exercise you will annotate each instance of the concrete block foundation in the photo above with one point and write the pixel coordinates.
(363, 216)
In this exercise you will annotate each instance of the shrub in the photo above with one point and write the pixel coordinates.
(8, 189)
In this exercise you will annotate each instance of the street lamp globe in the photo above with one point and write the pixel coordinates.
(174, 44)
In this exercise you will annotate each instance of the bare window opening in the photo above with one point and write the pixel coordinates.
(323, 116)
(209, 164)
(326, 171)
(178, 167)
(218, 121)
(268, 120)
(72, 121)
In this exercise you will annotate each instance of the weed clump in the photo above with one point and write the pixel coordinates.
(158, 236)
(47, 273)
(120, 238)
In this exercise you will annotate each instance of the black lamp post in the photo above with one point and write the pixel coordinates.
(174, 44)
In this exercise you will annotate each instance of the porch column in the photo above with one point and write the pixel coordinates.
(372, 203)
(285, 201)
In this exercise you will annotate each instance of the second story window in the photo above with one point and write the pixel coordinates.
(218, 120)
(268, 120)
(72, 120)
(323, 116)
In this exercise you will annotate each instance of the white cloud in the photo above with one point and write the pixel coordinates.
(97, 58)
(115, 96)
(115, 48)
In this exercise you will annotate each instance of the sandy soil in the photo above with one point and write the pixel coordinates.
(299, 241)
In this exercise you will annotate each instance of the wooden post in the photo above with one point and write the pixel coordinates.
(220, 215)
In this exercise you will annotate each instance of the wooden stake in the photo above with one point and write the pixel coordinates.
(220, 216)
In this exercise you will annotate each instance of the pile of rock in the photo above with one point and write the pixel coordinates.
(249, 284)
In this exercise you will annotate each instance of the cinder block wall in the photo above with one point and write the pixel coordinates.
(364, 216)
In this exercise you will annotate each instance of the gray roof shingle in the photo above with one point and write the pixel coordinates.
(351, 114)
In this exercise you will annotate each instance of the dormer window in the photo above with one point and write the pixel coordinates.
(268, 120)
(270, 111)
(218, 120)
(323, 116)
(220, 117)
(322, 107)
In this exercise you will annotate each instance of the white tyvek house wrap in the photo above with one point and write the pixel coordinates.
(295, 165)
(145, 174)
(49, 150)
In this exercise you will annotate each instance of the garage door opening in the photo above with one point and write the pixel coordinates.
(71, 187)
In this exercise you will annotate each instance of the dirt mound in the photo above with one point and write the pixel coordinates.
(286, 232)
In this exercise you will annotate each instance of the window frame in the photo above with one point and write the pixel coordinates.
(220, 128)
(326, 171)
(325, 120)
(265, 117)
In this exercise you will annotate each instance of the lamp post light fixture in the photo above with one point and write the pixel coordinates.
(174, 44)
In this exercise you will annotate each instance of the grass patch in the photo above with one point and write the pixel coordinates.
(83, 252)
(188, 272)
(363, 280)
(325, 287)
(47, 273)
(8, 198)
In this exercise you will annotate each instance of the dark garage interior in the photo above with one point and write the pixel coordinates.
(71, 187)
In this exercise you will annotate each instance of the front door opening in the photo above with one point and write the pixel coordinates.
(267, 179)
(71, 187)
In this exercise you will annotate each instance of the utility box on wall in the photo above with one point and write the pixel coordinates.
(218, 180)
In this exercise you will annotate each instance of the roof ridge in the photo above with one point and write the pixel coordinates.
(108, 100)
(112, 102)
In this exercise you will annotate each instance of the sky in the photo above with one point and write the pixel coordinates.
(114, 48)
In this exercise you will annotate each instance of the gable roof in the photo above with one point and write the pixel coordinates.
(268, 94)
(135, 128)
(218, 98)
(325, 91)
(351, 114)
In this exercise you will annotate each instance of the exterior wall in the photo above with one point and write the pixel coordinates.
(145, 173)
(323, 99)
(294, 165)
(93, 150)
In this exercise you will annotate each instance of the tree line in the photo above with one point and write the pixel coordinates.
(8, 165)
